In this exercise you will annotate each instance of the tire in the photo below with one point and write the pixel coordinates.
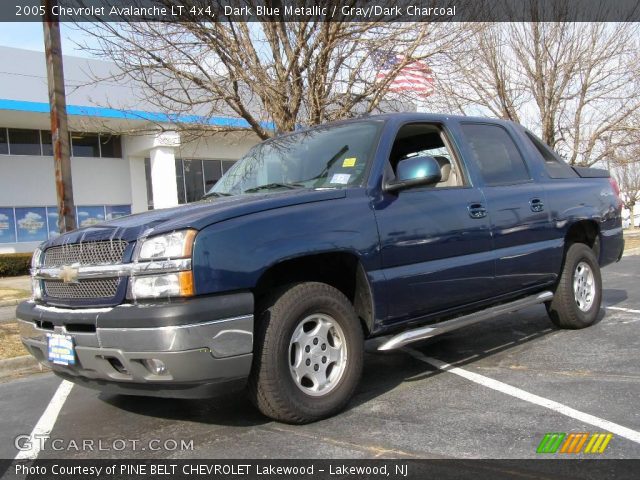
(570, 308)
(317, 314)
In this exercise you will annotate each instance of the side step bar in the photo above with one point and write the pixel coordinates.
(428, 331)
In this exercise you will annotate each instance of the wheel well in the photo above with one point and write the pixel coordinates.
(341, 270)
(584, 231)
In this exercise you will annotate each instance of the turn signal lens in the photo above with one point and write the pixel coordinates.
(178, 284)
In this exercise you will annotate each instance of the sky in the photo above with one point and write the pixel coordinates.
(29, 35)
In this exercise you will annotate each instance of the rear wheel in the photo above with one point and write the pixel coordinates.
(308, 354)
(577, 298)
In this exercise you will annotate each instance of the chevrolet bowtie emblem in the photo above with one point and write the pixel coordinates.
(69, 274)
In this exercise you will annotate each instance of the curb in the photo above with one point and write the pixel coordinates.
(11, 366)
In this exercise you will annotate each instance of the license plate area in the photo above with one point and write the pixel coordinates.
(60, 349)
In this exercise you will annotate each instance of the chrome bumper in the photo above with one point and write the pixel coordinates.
(193, 355)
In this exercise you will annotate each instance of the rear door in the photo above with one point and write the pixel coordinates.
(517, 205)
(435, 241)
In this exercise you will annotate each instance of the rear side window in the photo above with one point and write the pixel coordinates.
(554, 166)
(496, 154)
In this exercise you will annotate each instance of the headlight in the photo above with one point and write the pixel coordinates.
(36, 285)
(179, 284)
(170, 252)
(171, 245)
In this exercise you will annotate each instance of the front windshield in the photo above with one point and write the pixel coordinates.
(327, 157)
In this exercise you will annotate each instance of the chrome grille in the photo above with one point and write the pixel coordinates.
(85, 289)
(89, 253)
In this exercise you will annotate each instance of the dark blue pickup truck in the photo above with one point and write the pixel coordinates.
(397, 226)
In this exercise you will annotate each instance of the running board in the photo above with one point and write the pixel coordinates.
(429, 331)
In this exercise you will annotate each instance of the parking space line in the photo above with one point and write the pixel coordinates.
(46, 422)
(628, 310)
(614, 428)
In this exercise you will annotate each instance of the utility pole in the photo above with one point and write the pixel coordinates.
(59, 127)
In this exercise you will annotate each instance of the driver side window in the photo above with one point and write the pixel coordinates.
(426, 139)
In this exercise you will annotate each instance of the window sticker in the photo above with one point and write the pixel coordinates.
(7, 226)
(89, 215)
(340, 178)
(31, 224)
(349, 162)
(52, 221)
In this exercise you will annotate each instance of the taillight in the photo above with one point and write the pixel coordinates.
(616, 189)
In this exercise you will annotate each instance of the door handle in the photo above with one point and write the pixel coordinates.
(536, 205)
(477, 210)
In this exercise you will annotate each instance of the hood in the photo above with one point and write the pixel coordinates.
(194, 215)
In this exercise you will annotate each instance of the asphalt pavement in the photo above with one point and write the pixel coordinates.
(516, 377)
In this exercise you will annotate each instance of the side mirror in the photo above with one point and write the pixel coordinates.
(415, 172)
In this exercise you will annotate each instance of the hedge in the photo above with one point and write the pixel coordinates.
(14, 264)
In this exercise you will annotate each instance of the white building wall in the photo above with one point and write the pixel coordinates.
(100, 181)
(26, 181)
(219, 147)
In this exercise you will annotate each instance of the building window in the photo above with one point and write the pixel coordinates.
(110, 146)
(226, 165)
(194, 178)
(212, 172)
(47, 143)
(19, 141)
(24, 142)
(36, 224)
(85, 145)
(147, 177)
(4, 144)
(7, 225)
(31, 224)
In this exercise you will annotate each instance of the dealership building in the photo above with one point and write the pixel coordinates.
(121, 161)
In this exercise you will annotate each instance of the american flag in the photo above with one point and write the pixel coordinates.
(416, 76)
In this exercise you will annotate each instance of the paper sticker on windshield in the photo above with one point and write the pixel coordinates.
(341, 178)
(349, 162)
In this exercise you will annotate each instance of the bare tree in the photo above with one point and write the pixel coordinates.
(576, 84)
(625, 168)
(275, 76)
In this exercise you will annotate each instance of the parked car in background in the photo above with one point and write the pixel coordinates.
(397, 226)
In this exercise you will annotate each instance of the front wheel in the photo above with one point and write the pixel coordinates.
(308, 354)
(577, 298)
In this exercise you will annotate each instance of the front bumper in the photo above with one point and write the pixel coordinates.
(205, 344)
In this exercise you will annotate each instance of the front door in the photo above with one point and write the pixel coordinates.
(435, 241)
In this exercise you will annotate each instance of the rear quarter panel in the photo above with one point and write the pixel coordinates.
(576, 199)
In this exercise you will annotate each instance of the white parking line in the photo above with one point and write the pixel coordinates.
(614, 428)
(628, 310)
(46, 422)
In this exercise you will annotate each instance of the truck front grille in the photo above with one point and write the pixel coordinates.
(90, 253)
(85, 289)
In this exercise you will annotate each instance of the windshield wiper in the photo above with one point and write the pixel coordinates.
(332, 160)
(271, 186)
(215, 194)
